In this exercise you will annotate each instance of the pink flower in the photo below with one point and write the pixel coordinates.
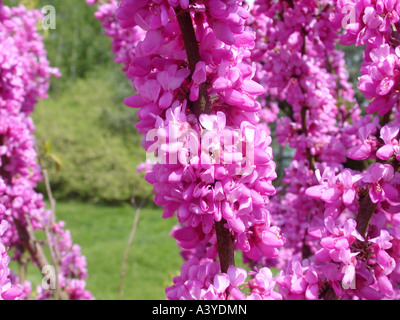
(389, 136)
(369, 143)
(348, 182)
(378, 177)
(199, 76)
(299, 282)
(328, 190)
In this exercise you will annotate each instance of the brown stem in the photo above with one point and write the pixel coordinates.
(385, 118)
(203, 106)
(329, 294)
(23, 263)
(4, 174)
(55, 254)
(310, 157)
(364, 215)
(225, 245)
(367, 207)
(28, 241)
(291, 3)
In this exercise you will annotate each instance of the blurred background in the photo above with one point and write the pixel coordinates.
(95, 150)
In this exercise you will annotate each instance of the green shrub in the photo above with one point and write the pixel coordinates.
(95, 135)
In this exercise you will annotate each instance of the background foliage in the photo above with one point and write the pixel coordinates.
(85, 119)
(93, 132)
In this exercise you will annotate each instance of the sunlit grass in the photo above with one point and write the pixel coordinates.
(102, 232)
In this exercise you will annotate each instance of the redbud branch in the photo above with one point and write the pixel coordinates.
(365, 212)
(385, 118)
(329, 293)
(367, 207)
(6, 175)
(226, 250)
(203, 106)
(25, 235)
(310, 157)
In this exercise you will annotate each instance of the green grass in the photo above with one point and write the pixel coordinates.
(103, 231)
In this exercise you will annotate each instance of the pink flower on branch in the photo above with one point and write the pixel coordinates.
(378, 178)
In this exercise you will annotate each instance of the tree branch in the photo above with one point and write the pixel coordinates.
(310, 157)
(130, 241)
(203, 106)
(225, 245)
(26, 237)
(365, 212)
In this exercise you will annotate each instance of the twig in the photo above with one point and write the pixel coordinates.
(49, 231)
(130, 241)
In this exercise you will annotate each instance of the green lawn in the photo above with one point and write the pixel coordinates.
(103, 231)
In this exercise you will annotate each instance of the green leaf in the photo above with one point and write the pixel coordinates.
(56, 158)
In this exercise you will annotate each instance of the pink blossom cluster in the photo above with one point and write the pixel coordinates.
(202, 280)
(24, 78)
(372, 188)
(374, 24)
(7, 290)
(305, 77)
(320, 213)
(331, 227)
(73, 266)
(197, 188)
(372, 258)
